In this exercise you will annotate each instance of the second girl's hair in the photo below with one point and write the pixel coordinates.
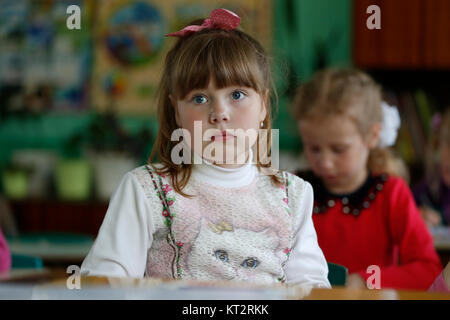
(353, 93)
(228, 58)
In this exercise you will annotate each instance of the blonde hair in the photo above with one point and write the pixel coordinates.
(353, 93)
(229, 57)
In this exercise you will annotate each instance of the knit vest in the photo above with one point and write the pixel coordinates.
(221, 233)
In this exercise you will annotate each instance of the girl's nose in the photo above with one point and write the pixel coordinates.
(219, 118)
(326, 162)
(219, 112)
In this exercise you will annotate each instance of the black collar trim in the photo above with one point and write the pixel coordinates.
(352, 203)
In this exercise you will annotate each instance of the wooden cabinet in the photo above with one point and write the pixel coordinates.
(437, 34)
(58, 216)
(414, 34)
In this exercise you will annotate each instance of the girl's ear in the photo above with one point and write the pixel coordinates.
(373, 136)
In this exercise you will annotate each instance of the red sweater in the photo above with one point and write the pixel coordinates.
(379, 224)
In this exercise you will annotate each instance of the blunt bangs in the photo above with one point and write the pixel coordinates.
(227, 59)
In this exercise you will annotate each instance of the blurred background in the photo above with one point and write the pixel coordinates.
(77, 107)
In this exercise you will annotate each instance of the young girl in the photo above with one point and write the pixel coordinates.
(211, 219)
(362, 217)
(433, 194)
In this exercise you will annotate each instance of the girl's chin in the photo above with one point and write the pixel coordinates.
(332, 181)
(229, 158)
(333, 184)
(227, 162)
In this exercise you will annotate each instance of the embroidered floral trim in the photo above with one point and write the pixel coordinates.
(285, 188)
(179, 244)
(168, 201)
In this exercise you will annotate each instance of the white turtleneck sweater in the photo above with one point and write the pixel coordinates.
(238, 226)
(224, 177)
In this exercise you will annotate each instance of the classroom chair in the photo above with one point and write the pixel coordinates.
(21, 261)
(337, 274)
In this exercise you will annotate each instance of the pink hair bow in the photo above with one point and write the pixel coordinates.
(219, 19)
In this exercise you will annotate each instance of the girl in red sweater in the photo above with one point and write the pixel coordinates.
(365, 217)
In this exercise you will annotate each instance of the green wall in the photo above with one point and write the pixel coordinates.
(300, 26)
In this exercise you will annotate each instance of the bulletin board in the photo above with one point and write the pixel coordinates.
(129, 45)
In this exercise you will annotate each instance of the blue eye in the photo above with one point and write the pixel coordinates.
(199, 99)
(237, 95)
(221, 255)
(250, 263)
(339, 149)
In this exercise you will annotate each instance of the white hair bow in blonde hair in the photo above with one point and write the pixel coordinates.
(390, 125)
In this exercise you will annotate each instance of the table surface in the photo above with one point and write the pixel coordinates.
(53, 284)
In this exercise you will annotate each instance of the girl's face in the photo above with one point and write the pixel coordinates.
(337, 152)
(445, 164)
(225, 109)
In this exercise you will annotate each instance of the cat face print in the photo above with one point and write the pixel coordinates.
(223, 252)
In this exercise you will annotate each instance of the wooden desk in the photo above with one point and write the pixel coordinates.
(53, 285)
(359, 294)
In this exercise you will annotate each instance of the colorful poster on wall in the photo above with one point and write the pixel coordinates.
(43, 64)
(130, 46)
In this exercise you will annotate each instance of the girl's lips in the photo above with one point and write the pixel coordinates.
(222, 137)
